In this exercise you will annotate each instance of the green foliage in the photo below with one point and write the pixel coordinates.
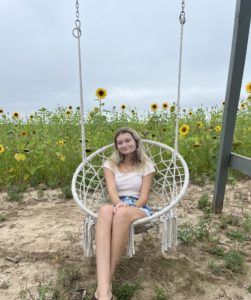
(66, 190)
(229, 220)
(216, 268)
(218, 251)
(3, 217)
(127, 290)
(234, 261)
(237, 235)
(249, 289)
(203, 201)
(189, 233)
(15, 193)
(47, 147)
(67, 274)
(161, 293)
(43, 290)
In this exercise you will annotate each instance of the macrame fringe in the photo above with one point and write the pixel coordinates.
(131, 247)
(89, 236)
(169, 231)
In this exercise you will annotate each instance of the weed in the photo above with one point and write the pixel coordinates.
(127, 290)
(237, 235)
(161, 293)
(203, 201)
(43, 290)
(66, 191)
(234, 261)
(67, 275)
(216, 268)
(14, 193)
(246, 223)
(229, 220)
(3, 218)
(202, 231)
(218, 251)
(186, 233)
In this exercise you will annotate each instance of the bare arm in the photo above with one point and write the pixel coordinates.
(145, 190)
(111, 185)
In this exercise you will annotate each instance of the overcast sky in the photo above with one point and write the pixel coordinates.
(129, 47)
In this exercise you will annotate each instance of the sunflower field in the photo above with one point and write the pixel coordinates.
(45, 147)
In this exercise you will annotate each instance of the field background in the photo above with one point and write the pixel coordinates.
(41, 255)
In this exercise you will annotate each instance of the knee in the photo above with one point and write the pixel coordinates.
(122, 216)
(105, 212)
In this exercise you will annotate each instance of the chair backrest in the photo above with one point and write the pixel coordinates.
(170, 179)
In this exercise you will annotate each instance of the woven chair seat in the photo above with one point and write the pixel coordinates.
(170, 183)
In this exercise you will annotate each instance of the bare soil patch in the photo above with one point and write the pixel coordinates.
(43, 234)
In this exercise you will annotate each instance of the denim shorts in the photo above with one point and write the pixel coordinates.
(130, 201)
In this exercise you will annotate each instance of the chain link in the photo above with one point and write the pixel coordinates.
(77, 30)
(182, 13)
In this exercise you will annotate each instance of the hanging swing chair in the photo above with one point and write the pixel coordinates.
(170, 180)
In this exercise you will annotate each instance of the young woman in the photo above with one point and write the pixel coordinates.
(128, 174)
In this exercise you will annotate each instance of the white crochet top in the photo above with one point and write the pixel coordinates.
(129, 183)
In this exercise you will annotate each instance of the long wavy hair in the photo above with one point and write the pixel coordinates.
(140, 157)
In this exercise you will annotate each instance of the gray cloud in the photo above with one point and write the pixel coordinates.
(128, 47)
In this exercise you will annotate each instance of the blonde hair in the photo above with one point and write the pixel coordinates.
(140, 157)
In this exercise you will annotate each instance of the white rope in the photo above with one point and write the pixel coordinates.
(77, 34)
(179, 87)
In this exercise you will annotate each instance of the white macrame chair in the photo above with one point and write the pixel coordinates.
(170, 179)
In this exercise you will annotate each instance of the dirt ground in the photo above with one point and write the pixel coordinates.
(43, 233)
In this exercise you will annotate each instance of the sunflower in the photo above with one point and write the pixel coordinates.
(248, 87)
(217, 128)
(172, 108)
(190, 113)
(154, 107)
(243, 105)
(69, 107)
(24, 133)
(61, 142)
(184, 129)
(96, 110)
(15, 115)
(249, 98)
(1, 110)
(31, 117)
(60, 156)
(223, 103)
(68, 112)
(123, 106)
(101, 93)
(199, 124)
(19, 156)
(165, 106)
(2, 149)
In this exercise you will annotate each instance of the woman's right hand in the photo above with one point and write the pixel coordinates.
(118, 205)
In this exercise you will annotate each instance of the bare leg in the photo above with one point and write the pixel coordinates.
(103, 250)
(120, 232)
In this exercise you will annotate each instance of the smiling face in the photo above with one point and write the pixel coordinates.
(125, 143)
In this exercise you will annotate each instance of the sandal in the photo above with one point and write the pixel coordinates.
(80, 293)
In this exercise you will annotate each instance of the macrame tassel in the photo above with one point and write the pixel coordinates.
(169, 231)
(130, 247)
(89, 236)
